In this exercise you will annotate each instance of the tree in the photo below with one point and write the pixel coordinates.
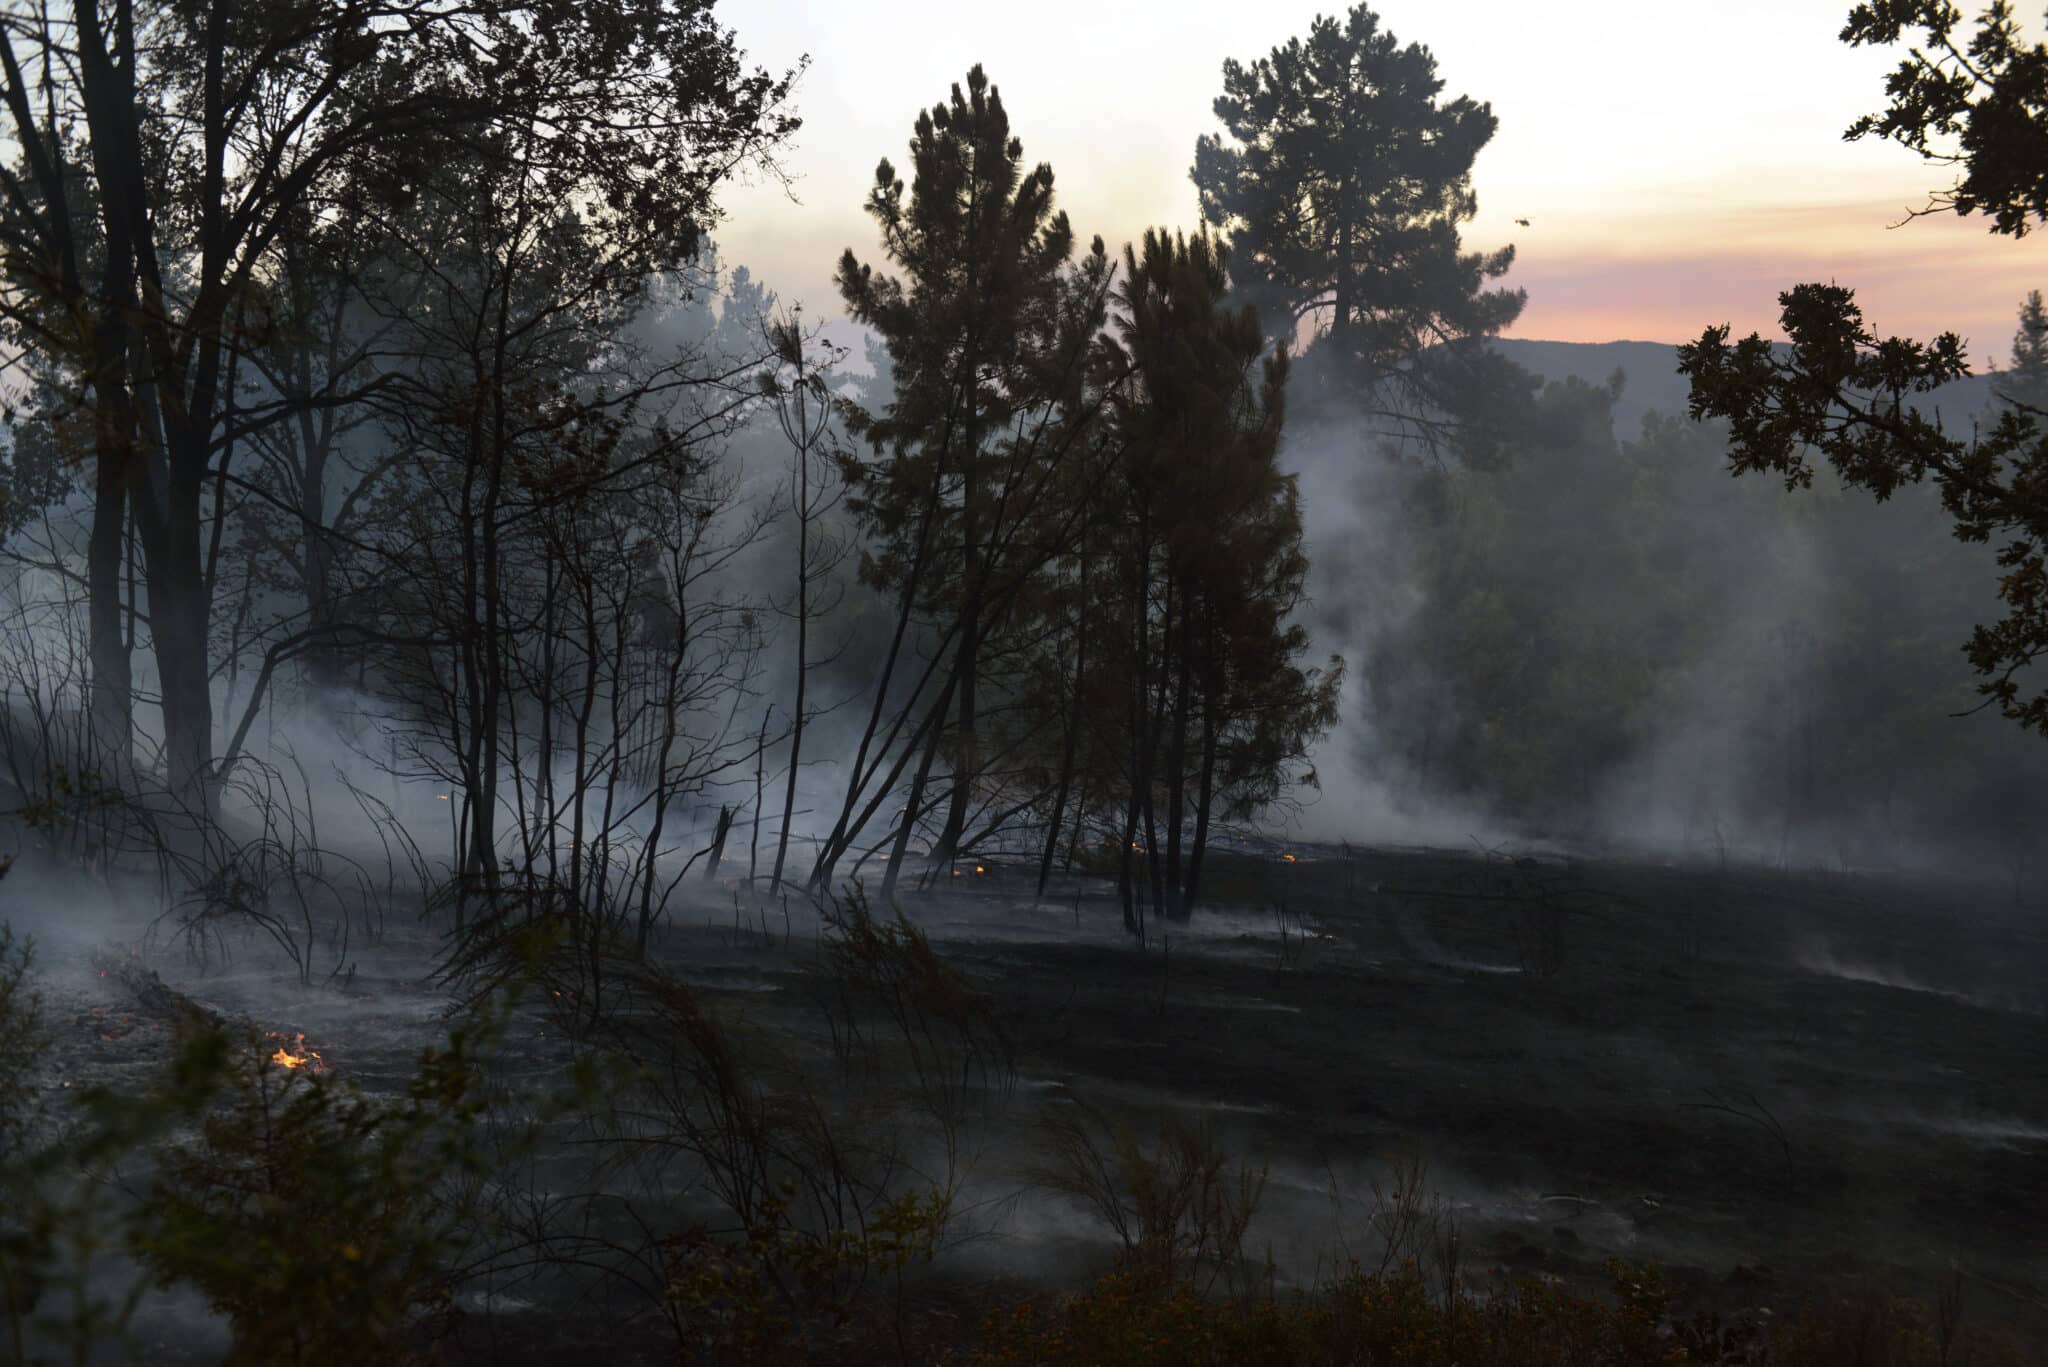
(202, 135)
(1207, 570)
(798, 388)
(989, 331)
(1841, 391)
(1341, 190)
(2026, 379)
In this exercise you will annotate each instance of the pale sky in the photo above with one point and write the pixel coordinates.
(1679, 163)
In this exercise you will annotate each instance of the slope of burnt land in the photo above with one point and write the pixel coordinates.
(1778, 1085)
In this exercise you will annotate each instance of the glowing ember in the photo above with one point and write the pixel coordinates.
(1288, 857)
(979, 869)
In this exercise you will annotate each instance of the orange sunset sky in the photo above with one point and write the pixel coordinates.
(1679, 163)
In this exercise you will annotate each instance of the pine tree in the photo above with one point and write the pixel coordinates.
(988, 332)
(2026, 383)
(1211, 567)
(1341, 189)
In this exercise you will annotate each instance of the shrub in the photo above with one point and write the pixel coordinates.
(1358, 1318)
(321, 1222)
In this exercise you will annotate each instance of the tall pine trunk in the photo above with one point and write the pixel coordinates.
(1072, 740)
(113, 714)
(1206, 785)
(1176, 772)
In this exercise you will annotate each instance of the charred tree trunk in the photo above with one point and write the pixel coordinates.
(1206, 786)
(1071, 742)
(968, 661)
(1140, 760)
(717, 850)
(113, 705)
(915, 802)
(845, 830)
(760, 783)
(1150, 787)
(1176, 773)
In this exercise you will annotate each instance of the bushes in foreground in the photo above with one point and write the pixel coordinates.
(1375, 1319)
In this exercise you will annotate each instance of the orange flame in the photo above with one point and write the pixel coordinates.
(297, 1055)
(1289, 858)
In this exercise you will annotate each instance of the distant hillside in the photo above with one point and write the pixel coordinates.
(1652, 382)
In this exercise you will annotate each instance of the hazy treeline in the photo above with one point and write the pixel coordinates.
(1585, 632)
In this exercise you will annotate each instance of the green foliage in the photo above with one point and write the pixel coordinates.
(981, 459)
(1979, 102)
(1194, 702)
(2025, 383)
(892, 1004)
(1204, 473)
(1846, 394)
(1179, 1208)
(1342, 188)
(66, 802)
(21, 1039)
(1358, 1317)
(989, 307)
(58, 1221)
(320, 1221)
(1564, 585)
(734, 1297)
(1887, 1331)
(1566, 623)
(1392, 1318)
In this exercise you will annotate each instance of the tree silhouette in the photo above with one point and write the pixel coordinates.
(1841, 391)
(2025, 382)
(988, 331)
(1341, 187)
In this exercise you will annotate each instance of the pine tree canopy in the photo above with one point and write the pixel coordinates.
(1340, 182)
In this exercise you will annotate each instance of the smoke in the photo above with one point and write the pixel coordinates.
(1594, 637)
(1361, 599)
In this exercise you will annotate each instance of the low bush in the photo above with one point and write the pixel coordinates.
(1391, 1319)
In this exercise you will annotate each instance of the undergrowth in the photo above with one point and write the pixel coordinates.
(1393, 1319)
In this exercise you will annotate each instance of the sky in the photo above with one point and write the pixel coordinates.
(1679, 164)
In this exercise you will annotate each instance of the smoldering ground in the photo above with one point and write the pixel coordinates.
(1486, 1065)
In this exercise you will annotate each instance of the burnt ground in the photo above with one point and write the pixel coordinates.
(1778, 1085)
(1775, 1084)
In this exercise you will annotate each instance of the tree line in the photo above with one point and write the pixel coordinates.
(370, 354)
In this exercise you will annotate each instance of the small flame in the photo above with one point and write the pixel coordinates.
(296, 1055)
(979, 869)
(1288, 857)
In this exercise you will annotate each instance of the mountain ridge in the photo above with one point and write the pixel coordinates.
(1651, 382)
